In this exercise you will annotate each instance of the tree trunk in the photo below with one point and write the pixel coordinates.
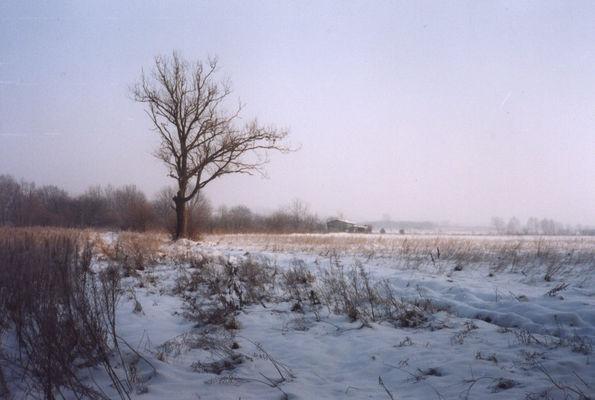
(181, 219)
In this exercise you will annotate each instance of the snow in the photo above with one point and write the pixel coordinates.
(498, 336)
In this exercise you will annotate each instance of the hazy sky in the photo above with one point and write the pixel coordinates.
(422, 110)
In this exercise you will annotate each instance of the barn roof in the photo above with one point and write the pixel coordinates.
(340, 220)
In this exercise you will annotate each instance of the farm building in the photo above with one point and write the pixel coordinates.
(339, 225)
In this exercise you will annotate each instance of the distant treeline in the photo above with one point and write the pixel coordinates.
(389, 225)
(536, 226)
(127, 208)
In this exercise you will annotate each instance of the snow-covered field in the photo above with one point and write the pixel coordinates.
(498, 333)
(470, 318)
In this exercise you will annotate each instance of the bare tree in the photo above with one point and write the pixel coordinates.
(514, 226)
(131, 208)
(499, 224)
(299, 212)
(201, 139)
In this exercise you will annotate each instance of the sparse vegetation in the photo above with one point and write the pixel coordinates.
(330, 288)
(352, 292)
(427, 233)
(518, 254)
(214, 293)
(132, 251)
(61, 312)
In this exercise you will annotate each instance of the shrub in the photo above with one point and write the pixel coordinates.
(133, 251)
(298, 282)
(352, 293)
(216, 291)
(61, 312)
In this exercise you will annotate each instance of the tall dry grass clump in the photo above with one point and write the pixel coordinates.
(133, 251)
(57, 312)
(215, 290)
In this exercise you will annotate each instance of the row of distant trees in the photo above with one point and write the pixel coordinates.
(128, 208)
(534, 226)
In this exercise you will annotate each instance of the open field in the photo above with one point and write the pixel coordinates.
(302, 316)
(547, 253)
(297, 200)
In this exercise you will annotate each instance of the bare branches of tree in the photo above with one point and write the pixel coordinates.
(201, 138)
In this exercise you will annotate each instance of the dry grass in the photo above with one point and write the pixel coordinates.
(352, 292)
(134, 251)
(216, 289)
(60, 312)
(555, 253)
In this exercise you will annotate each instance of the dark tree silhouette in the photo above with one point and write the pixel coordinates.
(201, 139)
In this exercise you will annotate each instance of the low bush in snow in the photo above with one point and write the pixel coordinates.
(216, 290)
(298, 284)
(59, 314)
(351, 292)
(133, 251)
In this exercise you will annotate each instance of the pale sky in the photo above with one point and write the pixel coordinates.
(424, 110)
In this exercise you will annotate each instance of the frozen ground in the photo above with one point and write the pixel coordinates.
(509, 319)
(500, 335)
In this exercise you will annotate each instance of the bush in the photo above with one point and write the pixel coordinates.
(61, 312)
(352, 293)
(218, 289)
(133, 251)
(298, 283)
